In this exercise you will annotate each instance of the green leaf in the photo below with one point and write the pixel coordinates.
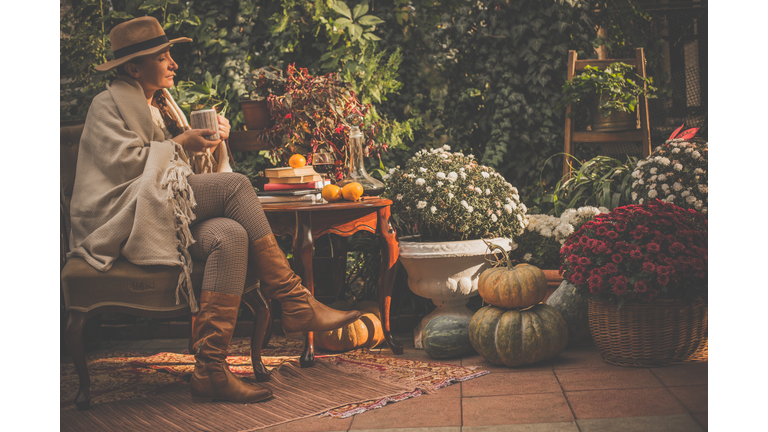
(359, 10)
(355, 32)
(341, 8)
(342, 23)
(370, 20)
(371, 36)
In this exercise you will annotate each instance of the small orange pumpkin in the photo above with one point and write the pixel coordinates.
(510, 288)
(366, 332)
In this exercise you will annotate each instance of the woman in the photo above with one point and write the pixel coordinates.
(136, 195)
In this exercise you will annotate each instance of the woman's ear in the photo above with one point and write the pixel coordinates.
(131, 69)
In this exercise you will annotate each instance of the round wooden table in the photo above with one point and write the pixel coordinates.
(304, 222)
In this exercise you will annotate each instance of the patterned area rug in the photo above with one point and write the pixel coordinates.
(131, 382)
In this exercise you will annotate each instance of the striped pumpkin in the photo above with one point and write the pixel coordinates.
(518, 337)
(512, 287)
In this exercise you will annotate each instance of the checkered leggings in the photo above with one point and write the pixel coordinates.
(228, 217)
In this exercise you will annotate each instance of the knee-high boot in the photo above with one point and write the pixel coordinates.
(301, 312)
(211, 334)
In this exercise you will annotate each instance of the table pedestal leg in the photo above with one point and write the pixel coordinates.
(389, 255)
(303, 244)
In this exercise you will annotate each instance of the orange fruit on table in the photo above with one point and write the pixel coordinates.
(331, 193)
(352, 191)
(297, 161)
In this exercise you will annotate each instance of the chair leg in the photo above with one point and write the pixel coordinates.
(261, 317)
(74, 338)
(270, 322)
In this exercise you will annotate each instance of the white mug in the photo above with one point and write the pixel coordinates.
(205, 119)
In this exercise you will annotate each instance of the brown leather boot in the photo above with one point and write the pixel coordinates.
(301, 312)
(212, 331)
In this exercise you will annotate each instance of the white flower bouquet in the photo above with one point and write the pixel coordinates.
(540, 244)
(444, 196)
(676, 172)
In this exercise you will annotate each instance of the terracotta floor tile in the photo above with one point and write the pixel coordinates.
(312, 424)
(685, 374)
(585, 356)
(421, 411)
(694, 398)
(665, 423)
(520, 382)
(478, 360)
(623, 403)
(515, 409)
(451, 391)
(607, 377)
(702, 419)
(525, 427)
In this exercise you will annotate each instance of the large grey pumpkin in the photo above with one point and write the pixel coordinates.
(574, 307)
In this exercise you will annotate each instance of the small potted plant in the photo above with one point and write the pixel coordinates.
(445, 205)
(311, 115)
(644, 268)
(259, 84)
(676, 172)
(609, 95)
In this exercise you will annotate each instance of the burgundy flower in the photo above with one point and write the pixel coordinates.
(635, 254)
(601, 230)
(619, 284)
(611, 268)
(648, 267)
(583, 240)
(663, 280)
(653, 247)
(641, 286)
(617, 258)
(612, 235)
(584, 261)
(664, 270)
(595, 283)
(676, 247)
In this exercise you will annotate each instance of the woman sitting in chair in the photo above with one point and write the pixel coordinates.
(157, 192)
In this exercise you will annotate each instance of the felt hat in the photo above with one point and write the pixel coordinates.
(135, 38)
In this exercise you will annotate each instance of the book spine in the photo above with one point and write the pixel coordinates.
(294, 186)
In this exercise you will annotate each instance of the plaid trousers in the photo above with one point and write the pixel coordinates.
(228, 217)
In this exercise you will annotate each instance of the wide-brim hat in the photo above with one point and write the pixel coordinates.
(135, 38)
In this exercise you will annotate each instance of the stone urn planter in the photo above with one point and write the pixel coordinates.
(446, 273)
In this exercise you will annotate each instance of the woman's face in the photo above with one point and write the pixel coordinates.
(155, 72)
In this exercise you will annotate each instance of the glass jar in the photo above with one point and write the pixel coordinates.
(355, 171)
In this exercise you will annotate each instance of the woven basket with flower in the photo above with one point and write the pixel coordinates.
(645, 268)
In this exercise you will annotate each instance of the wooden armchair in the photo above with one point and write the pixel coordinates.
(148, 291)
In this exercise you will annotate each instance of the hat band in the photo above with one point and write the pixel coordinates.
(140, 46)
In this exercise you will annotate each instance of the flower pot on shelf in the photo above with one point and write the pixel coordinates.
(615, 122)
(446, 273)
(256, 114)
(648, 334)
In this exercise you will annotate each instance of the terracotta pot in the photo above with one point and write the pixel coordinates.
(256, 114)
(553, 281)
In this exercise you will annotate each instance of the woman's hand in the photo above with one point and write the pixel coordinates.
(194, 140)
(223, 127)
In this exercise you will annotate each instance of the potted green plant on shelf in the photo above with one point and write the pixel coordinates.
(259, 84)
(444, 205)
(312, 115)
(610, 96)
(644, 268)
(192, 96)
(676, 172)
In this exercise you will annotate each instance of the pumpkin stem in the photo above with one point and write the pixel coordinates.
(494, 246)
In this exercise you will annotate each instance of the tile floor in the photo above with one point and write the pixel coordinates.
(575, 392)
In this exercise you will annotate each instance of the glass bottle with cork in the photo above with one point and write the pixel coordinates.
(355, 171)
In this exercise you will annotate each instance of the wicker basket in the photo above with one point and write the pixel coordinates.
(660, 333)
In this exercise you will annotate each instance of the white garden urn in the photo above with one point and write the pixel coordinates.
(446, 273)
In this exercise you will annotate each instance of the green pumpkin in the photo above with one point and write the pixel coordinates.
(574, 307)
(512, 287)
(446, 336)
(518, 337)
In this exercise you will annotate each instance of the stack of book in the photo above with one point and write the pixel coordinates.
(292, 184)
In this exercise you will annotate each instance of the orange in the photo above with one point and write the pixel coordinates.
(297, 161)
(352, 191)
(331, 193)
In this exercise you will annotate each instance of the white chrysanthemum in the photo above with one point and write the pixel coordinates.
(399, 197)
(407, 207)
(421, 204)
(678, 167)
(420, 181)
(470, 209)
(690, 199)
(498, 212)
(664, 161)
(447, 147)
(422, 169)
(523, 208)
(652, 193)
(703, 188)
(699, 204)
(641, 201)
(637, 174)
(485, 174)
(696, 154)
(519, 218)
(634, 183)
(634, 196)
(665, 187)
(546, 232)
(527, 257)
(452, 176)
(670, 198)
(433, 209)
(440, 175)
(689, 150)
(698, 171)
(463, 175)
(641, 182)
(685, 193)
(439, 183)
(653, 170)
(653, 178)
(514, 190)
(508, 208)
(494, 218)
(662, 177)
(464, 203)
(677, 186)
(450, 195)
(487, 191)
(429, 189)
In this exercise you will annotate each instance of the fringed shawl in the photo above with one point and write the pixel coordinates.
(131, 195)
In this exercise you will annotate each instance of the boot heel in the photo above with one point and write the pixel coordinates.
(201, 399)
